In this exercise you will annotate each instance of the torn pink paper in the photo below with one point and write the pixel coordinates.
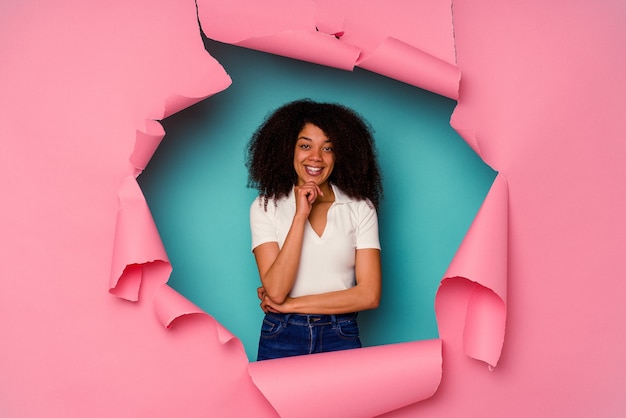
(485, 324)
(233, 21)
(170, 306)
(81, 80)
(482, 256)
(175, 102)
(425, 25)
(558, 136)
(367, 382)
(412, 50)
(314, 47)
(400, 61)
(387, 59)
(146, 144)
(482, 259)
(136, 243)
(290, 32)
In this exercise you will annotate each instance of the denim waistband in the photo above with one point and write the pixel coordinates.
(313, 319)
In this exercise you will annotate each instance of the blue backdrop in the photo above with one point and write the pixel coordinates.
(195, 186)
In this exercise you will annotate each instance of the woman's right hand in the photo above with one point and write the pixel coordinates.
(306, 195)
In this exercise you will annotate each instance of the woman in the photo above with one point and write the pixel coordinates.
(314, 227)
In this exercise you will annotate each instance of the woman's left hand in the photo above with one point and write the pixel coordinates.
(268, 305)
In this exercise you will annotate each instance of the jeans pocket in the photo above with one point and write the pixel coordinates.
(271, 327)
(348, 329)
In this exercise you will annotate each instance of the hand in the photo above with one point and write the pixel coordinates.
(260, 292)
(306, 195)
(268, 305)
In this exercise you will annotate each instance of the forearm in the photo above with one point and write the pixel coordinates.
(278, 279)
(365, 295)
(355, 299)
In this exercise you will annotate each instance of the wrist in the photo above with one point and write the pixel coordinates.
(288, 305)
(300, 218)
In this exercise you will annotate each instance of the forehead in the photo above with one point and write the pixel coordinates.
(313, 133)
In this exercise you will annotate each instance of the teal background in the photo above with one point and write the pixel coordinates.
(195, 186)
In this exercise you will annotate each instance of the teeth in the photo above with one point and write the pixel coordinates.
(314, 169)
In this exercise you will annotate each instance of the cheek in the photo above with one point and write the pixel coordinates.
(298, 155)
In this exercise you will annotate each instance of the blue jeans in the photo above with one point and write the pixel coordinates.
(284, 335)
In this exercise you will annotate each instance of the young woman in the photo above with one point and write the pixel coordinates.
(314, 227)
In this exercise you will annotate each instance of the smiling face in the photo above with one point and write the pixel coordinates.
(313, 157)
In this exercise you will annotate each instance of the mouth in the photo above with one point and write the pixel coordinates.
(312, 171)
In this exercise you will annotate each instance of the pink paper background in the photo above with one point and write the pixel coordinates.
(541, 100)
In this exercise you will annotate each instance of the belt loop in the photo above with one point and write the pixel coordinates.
(333, 319)
(286, 318)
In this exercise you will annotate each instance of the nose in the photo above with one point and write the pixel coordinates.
(316, 154)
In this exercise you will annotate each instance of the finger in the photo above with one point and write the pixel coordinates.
(309, 193)
(319, 190)
(315, 193)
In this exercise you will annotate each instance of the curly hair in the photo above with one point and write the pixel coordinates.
(269, 155)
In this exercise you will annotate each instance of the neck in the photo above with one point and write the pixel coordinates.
(329, 195)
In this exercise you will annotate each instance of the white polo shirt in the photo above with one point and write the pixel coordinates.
(326, 262)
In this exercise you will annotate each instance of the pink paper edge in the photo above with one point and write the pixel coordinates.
(427, 71)
(141, 156)
(403, 62)
(486, 240)
(415, 376)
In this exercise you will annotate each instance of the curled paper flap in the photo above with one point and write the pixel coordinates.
(170, 306)
(482, 256)
(314, 32)
(136, 242)
(485, 323)
(314, 47)
(482, 259)
(146, 144)
(403, 62)
(425, 24)
(365, 382)
(281, 27)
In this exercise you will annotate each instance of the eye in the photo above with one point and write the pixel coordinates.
(328, 148)
(305, 146)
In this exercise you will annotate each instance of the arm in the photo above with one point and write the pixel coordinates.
(365, 295)
(278, 267)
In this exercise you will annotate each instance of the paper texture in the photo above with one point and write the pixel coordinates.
(364, 382)
(336, 34)
(482, 259)
(540, 100)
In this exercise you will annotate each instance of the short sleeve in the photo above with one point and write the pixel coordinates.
(367, 230)
(262, 224)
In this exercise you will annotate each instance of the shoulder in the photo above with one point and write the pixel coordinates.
(270, 205)
(360, 206)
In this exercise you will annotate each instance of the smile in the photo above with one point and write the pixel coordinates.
(313, 171)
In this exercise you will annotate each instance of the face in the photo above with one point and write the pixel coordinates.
(313, 158)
